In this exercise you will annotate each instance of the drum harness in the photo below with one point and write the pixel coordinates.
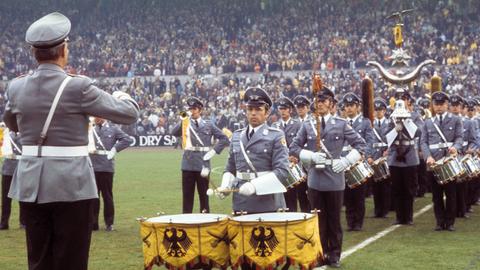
(328, 161)
(99, 152)
(445, 143)
(58, 151)
(246, 176)
(202, 148)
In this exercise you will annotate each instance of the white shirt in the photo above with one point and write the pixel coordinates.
(353, 119)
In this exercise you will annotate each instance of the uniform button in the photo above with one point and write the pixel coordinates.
(248, 170)
(309, 137)
(248, 151)
(265, 150)
(336, 138)
(323, 140)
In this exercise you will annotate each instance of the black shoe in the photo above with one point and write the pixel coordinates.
(450, 228)
(350, 229)
(335, 264)
(439, 228)
(464, 216)
(357, 228)
(469, 210)
(3, 226)
(397, 222)
(95, 227)
(23, 226)
(109, 228)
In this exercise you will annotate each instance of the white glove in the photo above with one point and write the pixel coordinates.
(319, 158)
(111, 153)
(247, 189)
(340, 165)
(228, 181)
(205, 172)
(209, 155)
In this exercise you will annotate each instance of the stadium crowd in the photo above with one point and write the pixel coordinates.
(141, 42)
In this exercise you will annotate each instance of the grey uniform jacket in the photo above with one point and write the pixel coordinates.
(412, 157)
(379, 141)
(268, 152)
(337, 132)
(206, 130)
(363, 127)
(10, 164)
(451, 128)
(290, 129)
(471, 135)
(52, 179)
(112, 137)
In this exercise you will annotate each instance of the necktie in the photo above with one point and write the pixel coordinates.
(196, 123)
(250, 135)
(351, 123)
(379, 124)
(323, 123)
(441, 119)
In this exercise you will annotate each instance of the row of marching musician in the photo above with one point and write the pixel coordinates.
(350, 153)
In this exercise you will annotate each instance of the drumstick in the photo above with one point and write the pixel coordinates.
(214, 189)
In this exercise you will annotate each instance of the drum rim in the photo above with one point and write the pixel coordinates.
(301, 216)
(220, 217)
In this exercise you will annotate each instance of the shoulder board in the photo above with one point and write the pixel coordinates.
(239, 130)
(82, 77)
(340, 118)
(21, 76)
(274, 129)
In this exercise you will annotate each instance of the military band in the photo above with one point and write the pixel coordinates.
(326, 167)
(197, 135)
(441, 138)
(355, 197)
(11, 152)
(58, 197)
(381, 187)
(109, 140)
(290, 127)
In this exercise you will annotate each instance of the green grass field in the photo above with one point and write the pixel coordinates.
(147, 181)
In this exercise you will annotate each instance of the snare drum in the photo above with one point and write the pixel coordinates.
(381, 171)
(296, 175)
(184, 240)
(447, 169)
(266, 240)
(358, 174)
(470, 166)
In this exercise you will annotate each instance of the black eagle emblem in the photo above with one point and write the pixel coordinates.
(263, 241)
(176, 242)
(145, 239)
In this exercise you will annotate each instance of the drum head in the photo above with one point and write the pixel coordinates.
(273, 217)
(188, 218)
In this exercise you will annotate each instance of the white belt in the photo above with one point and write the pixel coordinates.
(100, 152)
(197, 148)
(12, 156)
(347, 148)
(464, 143)
(378, 145)
(55, 151)
(406, 143)
(440, 145)
(247, 176)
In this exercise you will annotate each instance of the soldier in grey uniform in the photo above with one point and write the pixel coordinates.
(441, 137)
(257, 164)
(382, 189)
(355, 197)
(197, 154)
(54, 180)
(109, 139)
(473, 189)
(402, 136)
(11, 151)
(469, 146)
(302, 106)
(290, 127)
(326, 178)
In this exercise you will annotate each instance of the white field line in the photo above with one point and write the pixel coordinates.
(379, 235)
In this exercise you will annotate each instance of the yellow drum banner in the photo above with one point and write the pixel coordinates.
(180, 245)
(269, 244)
